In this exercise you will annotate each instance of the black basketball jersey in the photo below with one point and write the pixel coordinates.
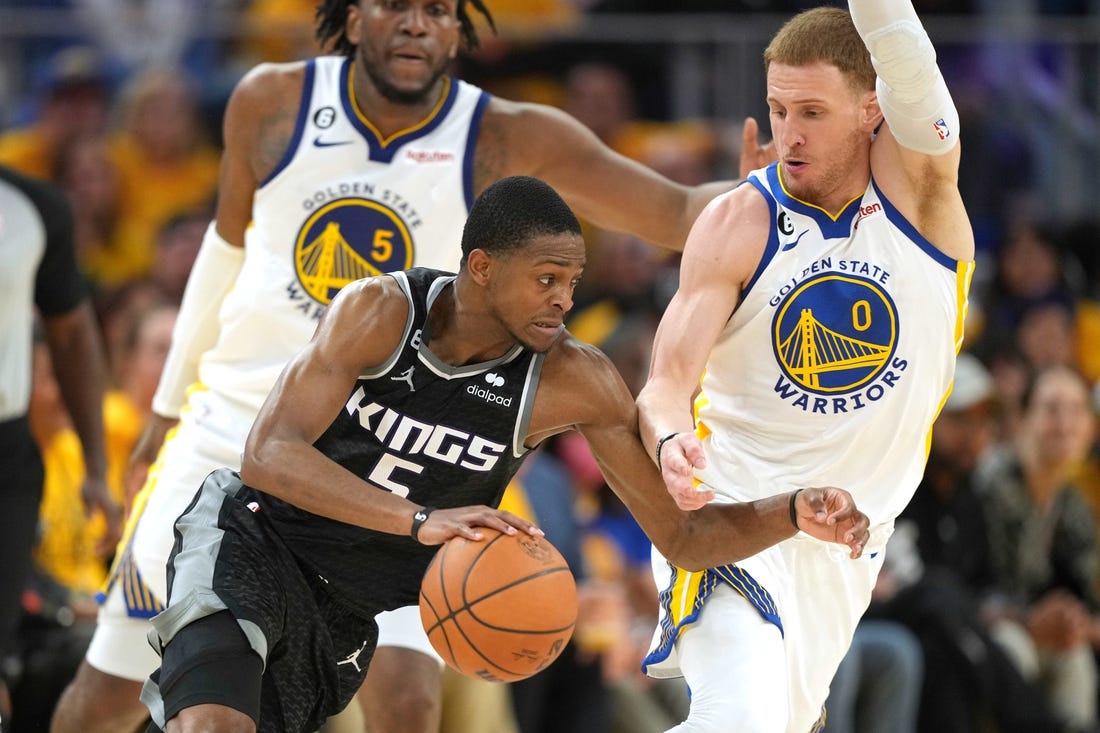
(440, 435)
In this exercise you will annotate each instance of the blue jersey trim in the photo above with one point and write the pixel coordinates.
(831, 228)
(471, 149)
(772, 247)
(383, 151)
(736, 578)
(299, 123)
(911, 232)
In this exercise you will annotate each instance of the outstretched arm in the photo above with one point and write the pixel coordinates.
(601, 409)
(600, 185)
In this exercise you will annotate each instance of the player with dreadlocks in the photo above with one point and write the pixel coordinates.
(351, 164)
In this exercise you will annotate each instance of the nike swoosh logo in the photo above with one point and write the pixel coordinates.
(792, 245)
(319, 143)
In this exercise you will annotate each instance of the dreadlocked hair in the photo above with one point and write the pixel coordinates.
(332, 16)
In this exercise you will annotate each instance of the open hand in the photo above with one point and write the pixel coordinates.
(463, 521)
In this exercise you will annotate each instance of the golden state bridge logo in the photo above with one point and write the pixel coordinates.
(834, 334)
(348, 239)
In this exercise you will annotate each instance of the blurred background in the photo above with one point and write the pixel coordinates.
(120, 102)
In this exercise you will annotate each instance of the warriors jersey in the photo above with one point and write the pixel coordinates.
(439, 435)
(838, 358)
(344, 203)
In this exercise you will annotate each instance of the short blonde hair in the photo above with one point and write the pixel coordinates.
(823, 34)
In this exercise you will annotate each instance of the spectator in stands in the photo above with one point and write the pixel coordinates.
(91, 183)
(166, 166)
(1043, 544)
(937, 569)
(73, 100)
(877, 686)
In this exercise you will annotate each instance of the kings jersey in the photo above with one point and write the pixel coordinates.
(439, 435)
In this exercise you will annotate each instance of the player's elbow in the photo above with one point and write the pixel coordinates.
(708, 539)
(259, 461)
(685, 547)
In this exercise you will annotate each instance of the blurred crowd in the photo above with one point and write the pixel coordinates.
(988, 611)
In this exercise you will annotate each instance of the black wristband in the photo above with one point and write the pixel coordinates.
(419, 518)
(794, 514)
(660, 445)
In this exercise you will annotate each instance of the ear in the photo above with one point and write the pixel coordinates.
(480, 263)
(870, 112)
(353, 24)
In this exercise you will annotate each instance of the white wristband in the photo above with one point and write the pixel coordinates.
(212, 277)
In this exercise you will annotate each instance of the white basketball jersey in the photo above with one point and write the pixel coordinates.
(838, 358)
(343, 204)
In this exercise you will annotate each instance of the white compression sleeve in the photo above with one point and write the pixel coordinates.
(911, 91)
(215, 270)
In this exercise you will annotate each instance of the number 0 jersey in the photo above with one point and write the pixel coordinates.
(837, 360)
(344, 203)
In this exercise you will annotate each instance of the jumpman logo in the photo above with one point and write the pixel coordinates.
(353, 658)
(406, 376)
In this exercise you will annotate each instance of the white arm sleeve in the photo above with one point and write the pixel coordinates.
(216, 268)
(911, 91)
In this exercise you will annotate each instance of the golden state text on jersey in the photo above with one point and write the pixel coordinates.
(833, 366)
(837, 314)
(835, 334)
(355, 203)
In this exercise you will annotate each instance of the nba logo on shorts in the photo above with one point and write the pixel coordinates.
(942, 129)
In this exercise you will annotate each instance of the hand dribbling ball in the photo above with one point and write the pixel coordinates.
(498, 609)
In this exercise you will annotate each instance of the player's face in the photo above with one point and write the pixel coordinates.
(405, 46)
(531, 290)
(822, 132)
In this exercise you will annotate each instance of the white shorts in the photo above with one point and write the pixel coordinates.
(211, 434)
(403, 628)
(808, 590)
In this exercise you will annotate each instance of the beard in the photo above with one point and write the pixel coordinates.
(836, 172)
(392, 93)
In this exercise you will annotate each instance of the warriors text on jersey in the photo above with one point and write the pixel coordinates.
(440, 435)
(344, 203)
(854, 323)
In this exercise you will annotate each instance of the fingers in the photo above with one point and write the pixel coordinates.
(750, 148)
(514, 522)
(835, 518)
(857, 539)
(750, 133)
(681, 456)
(693, 498)
(445, 524)
(753, 154)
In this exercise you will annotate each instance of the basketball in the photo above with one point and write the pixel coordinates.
(498, 609)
